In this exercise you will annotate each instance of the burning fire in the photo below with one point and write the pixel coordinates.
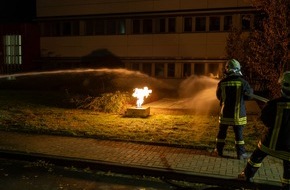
(140, 94)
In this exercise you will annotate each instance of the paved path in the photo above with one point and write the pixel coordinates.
(144, 159)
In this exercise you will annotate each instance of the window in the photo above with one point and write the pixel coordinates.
(199, 69)
(99, 27)
(214, 23)
(136, 27)
(246, 22)
(55, 29)
(75, 28)
(159, 69)
(135, 66)
(187, 26)
(89, 27)
(171, 25)
(213, 68)
(12, 49)
(147, 26)
(121, 27)
(171, 70)
(110, 27)
(161, 25)
(66, 28)
(200, 23)
(228, 21)
(186, 70)
(147, 68)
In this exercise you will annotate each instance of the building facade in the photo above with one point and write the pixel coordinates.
(170, 39)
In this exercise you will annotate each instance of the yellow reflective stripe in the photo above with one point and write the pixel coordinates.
(256, 165)
(278, 122)
(231, 83)
(275, 153)
(285, 181)
(220, 140)
(232, 121)
(240, 142)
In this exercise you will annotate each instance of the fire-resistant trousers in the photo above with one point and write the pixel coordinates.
(239, 140)
(255, 162)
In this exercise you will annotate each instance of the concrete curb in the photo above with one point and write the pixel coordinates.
(165, 174)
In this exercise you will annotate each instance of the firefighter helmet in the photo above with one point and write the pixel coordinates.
(285, 84)
(233, 66)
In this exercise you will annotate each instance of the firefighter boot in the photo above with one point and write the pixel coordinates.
(241, 152)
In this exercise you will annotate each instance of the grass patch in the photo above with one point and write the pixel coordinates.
(44, 112)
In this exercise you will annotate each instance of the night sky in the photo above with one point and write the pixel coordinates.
(17, 10)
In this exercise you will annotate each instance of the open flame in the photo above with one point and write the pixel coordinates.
(140, 94)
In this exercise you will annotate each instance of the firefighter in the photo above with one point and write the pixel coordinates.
(231, 92)
(275, 139)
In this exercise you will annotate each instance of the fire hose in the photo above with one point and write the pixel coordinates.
(258, 97)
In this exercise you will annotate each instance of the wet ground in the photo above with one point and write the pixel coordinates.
(23, 175)
(41, 175)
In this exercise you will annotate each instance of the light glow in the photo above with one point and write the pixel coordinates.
(140, 94)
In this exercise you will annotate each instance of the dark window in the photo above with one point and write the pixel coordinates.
(246, 22)
(228, 21)
(56, 29)
(147, 26)
(89, 27)
(170, 70)
(136, 27)
(214, 23)
(147, 67)
(161, 27)
(171, 25)
(200, 24)
(111, 27)
(186, 69)
(76, 28)
(66, 28)
(187, 24)
(100, 27)
(135, 66)
(199, 69)
(159, 70)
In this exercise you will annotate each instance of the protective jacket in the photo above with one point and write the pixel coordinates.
(276, 139)
(231, 94)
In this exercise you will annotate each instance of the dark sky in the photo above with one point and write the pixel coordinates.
(17, 10)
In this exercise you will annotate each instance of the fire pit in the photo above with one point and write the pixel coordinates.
(139, 111)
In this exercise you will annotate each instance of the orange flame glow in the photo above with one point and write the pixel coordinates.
(140, 94)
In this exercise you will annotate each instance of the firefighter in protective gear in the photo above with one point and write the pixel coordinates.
(275, 141)
(231, 94)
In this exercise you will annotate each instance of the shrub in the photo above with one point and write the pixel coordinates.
(116, 102)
